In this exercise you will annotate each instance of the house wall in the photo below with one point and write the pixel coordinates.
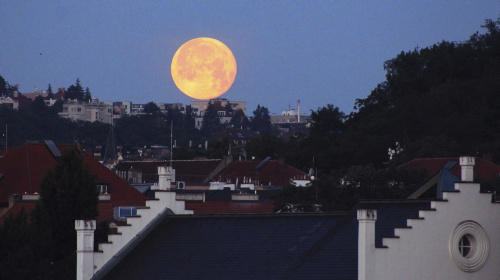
(88, 112)
(423, 251)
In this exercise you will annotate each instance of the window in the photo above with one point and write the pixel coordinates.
(469, 246)
(78, 109)
(127, 211)
(102, 189)
(464, 245)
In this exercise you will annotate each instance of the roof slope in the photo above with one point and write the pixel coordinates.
(482, 169)
(243, 247)
(293, 246)
(274, 172)
(23, 170)
(185, 170)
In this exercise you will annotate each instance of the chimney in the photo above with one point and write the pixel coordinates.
(166, 175)
(366, 242)
(467, 164)
(298, 111)
(85, 249)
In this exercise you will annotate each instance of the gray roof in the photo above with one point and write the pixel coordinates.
(285, 246)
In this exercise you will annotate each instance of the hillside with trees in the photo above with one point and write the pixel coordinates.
(439, 101)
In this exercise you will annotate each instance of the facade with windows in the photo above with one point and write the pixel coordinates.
(92, 112)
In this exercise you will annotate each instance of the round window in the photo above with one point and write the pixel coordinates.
(469, 246)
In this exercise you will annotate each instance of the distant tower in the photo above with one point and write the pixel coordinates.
(298, 111)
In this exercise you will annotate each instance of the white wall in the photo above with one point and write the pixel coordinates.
(423, 251)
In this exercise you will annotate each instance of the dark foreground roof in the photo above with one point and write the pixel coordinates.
(307, 246)
(245, 247)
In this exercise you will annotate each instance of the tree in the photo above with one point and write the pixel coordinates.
(75, 92)
(211, 121)
(68, 193)
(189, 120)
(261, 121)
(151, 108)
(4, 87)
(327, 122)
(16, 248)
(88, 96)
(239, 119)
(50, 93)
(265, 145)
(38, 105)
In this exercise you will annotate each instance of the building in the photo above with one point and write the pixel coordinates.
(443, 173)
(24, 167)
(91, 112)
(450, 238)
(291, 116)
(188, 171)
(15, 101)
(200, 106)
(122, 107)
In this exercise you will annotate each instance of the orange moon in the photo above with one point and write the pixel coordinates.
(203, 68)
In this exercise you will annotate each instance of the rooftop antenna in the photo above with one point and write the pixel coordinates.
(171, 140)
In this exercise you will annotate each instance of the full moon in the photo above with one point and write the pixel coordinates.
(203, 68)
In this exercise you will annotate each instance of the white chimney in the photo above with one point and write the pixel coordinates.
(467, 164)
(166, 175)
(366, 242)
(85, 249)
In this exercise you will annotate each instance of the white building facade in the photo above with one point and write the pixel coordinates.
(94, 111)
(457, 239)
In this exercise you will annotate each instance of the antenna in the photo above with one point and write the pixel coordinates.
(171, 139)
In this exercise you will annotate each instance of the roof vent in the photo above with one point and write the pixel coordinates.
(53, 148)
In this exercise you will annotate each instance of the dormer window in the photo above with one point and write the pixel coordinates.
(102, 189)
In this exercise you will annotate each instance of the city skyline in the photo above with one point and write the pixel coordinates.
(319, 52)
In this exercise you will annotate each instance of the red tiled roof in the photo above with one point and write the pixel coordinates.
(229, 207)
(482, 169)
(23, 169)
(16, 208)
(194, 171)
(34, 95)
(278, 174)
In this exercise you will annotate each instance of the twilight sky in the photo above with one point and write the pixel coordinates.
(321, 52)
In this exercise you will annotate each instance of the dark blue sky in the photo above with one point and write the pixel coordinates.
(321, 52)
